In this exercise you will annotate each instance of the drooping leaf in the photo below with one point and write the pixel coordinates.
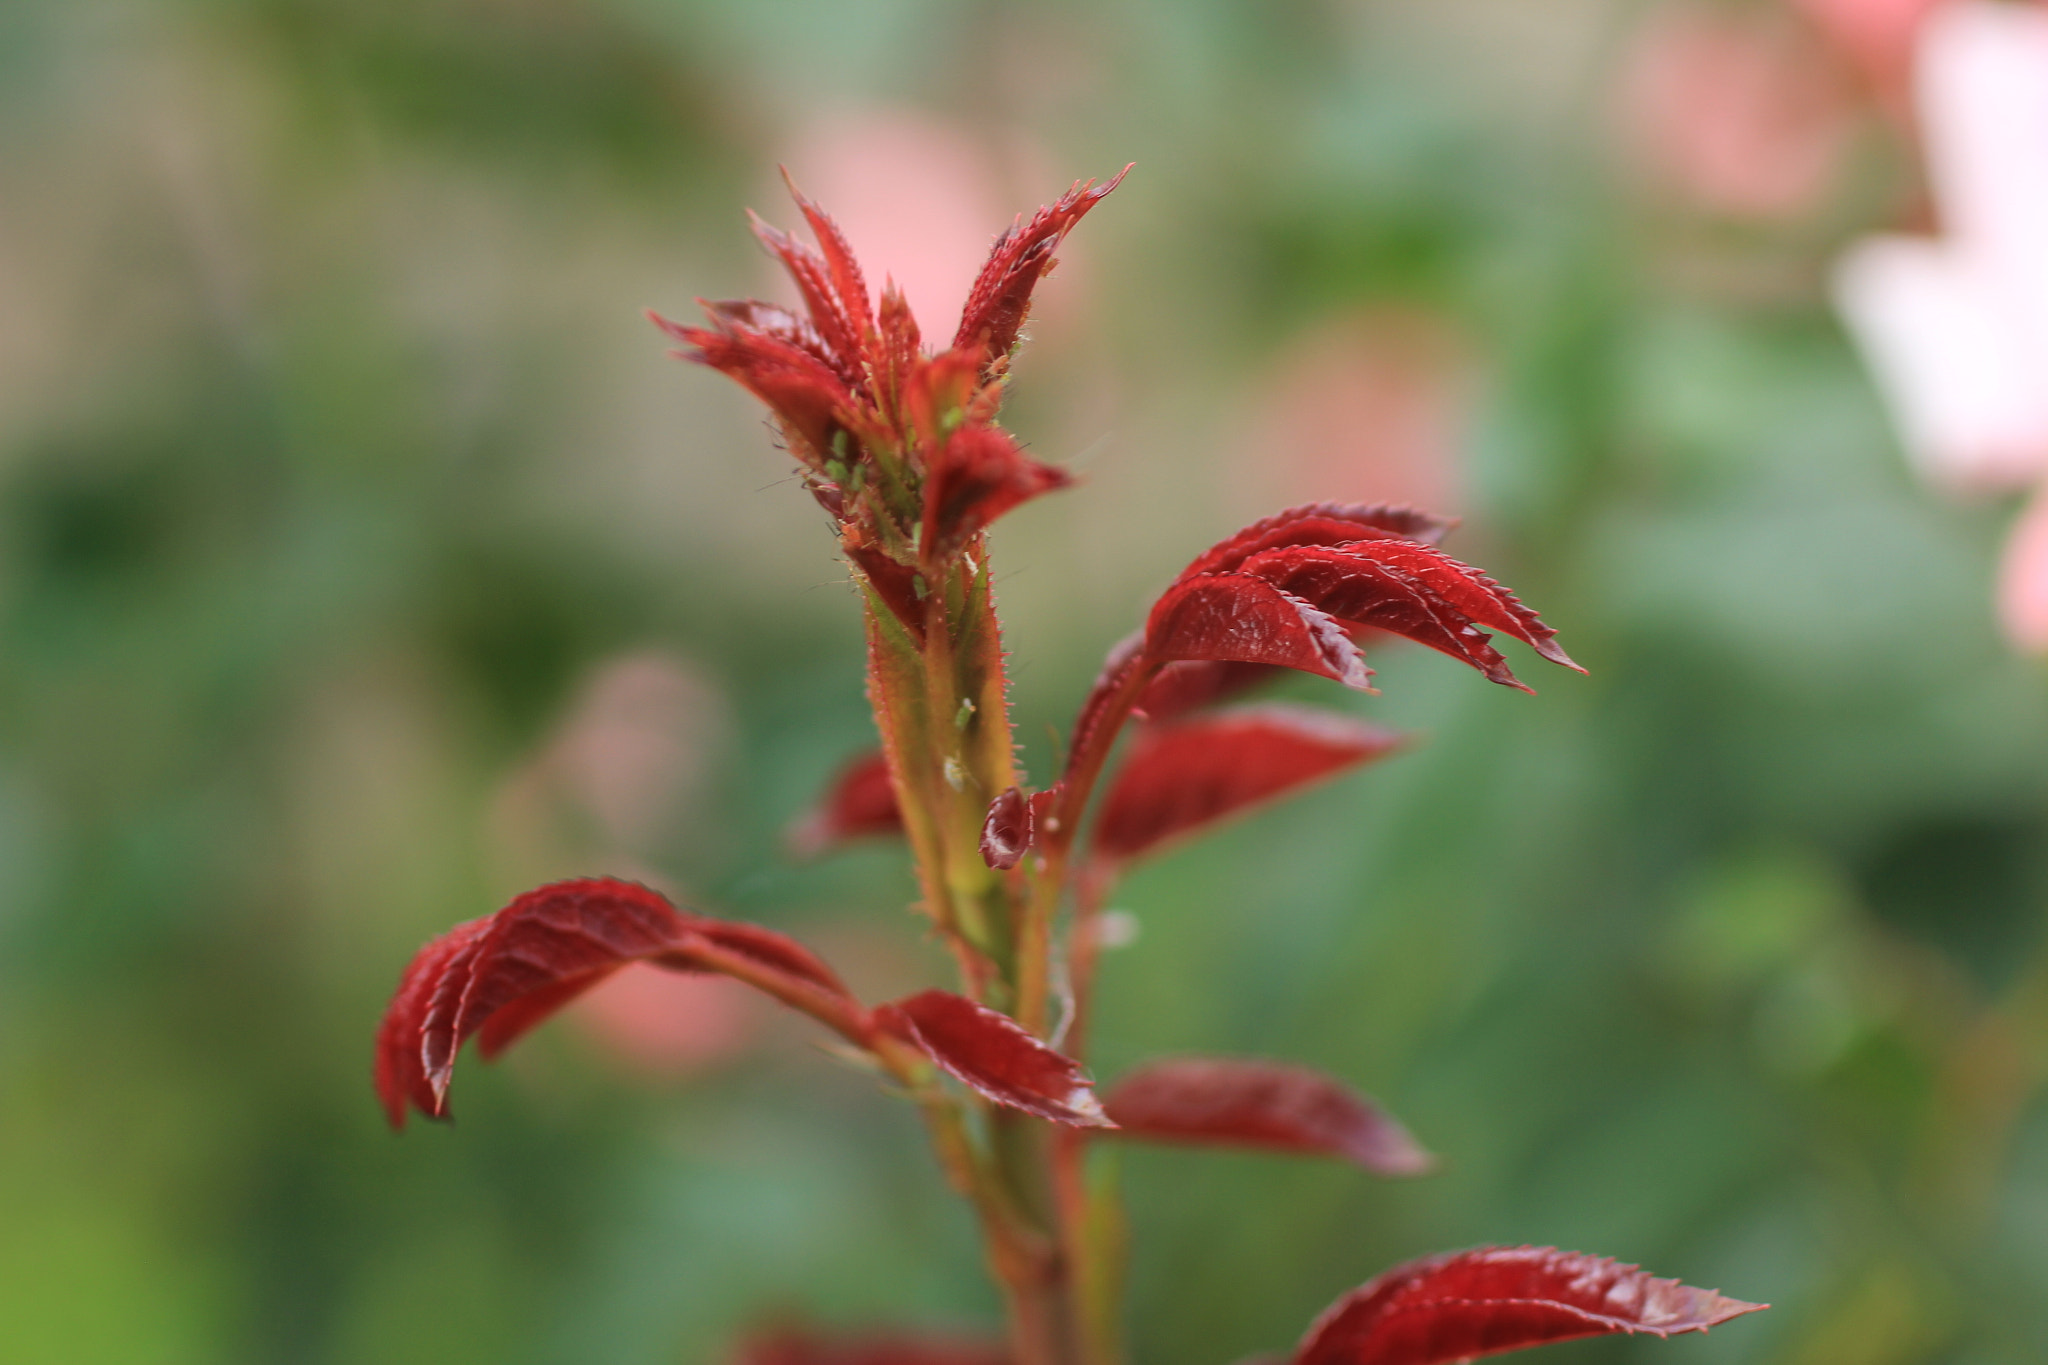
(1181, 777)
(991, 1053)
(1320, 523)
(1234, 616)
(1233, 1102)
(1006, 833)
(859, 803)
(504, 973)
(1493, 1299)
(979, 474)
(1001, 296)
(795, 1346)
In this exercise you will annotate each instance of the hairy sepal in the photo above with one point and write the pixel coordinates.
(1180, 778)
(993, 1055)
(1493, 1299)
(1264, 1106)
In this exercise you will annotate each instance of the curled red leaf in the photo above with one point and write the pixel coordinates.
(504, 973)
(977, 476)
(795, 1346)
(1493, 1299)
(1006, 833)
(843, 271)
(1180, 778)
(1234, 616)
(1001, 296)
(1321, 523)
(811, 400)
(860, 802)
(992, 1054)
(1232, 1102)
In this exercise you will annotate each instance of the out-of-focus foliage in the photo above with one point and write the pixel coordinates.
(338, 469)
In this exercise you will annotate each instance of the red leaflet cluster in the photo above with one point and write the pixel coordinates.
(1494, 1299)
(899, 445)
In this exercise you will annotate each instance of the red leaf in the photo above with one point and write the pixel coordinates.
(1231, 616)
(1322, 523)
(1476, 1303)
(576, 929)
(812, 401)
(843, 270)
(1006, 833)
(861, 801)
(1182, 777)
(979, 474)
(1001, 296)
(1235, 1103)
(991, 1053)
(1195, 683)
(504, 973)
(793, 1346)
(1360, 592)
(835, 321)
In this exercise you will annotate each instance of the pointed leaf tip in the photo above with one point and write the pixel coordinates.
(1237, 1102)
(1478, 1303)
(859, 803)
(992, 1054)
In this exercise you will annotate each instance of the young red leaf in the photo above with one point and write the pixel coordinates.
(1233, 616)
(1322, 523)
(991, 1053)
(841, 268)
(1361, 592)
(860, 802)
(976, 476)
(1001, 297)
(505, 973)
(574, 929)
(1231, 1102)
(1006, 833)
(812, 401)
(793, 1346)
(835, 321)
(1180, 778)
(1477, 1303)
(1193, 684)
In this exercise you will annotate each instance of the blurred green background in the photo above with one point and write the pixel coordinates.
(341, 482)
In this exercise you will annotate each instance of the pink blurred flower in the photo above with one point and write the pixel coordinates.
(1878, 35)
(1735, 110)
(666, 1024)
(1368, 407)
(1956, 328)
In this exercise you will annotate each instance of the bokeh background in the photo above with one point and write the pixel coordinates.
(363, 561)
